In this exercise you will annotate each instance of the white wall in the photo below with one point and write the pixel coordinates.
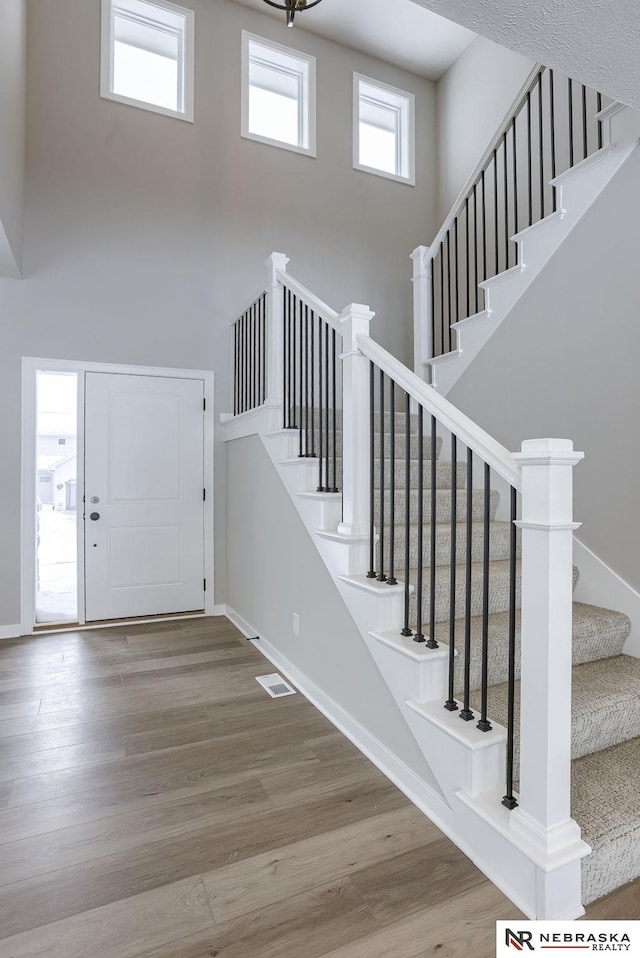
(275, 570)
(474, 97)
(12, 132)
(145, 235)
(565, 364)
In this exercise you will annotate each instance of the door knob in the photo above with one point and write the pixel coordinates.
(94, 516)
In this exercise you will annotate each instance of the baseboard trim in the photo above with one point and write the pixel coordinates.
(600, 585)
(10, 631)
(417, 791)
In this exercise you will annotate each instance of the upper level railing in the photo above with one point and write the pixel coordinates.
(553, 125)
(446, 531)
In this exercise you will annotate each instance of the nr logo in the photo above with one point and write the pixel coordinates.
(518, 939)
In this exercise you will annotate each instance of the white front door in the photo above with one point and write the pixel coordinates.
(144, 481)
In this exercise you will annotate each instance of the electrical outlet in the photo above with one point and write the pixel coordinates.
(296, 624)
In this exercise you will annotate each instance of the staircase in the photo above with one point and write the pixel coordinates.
(454, 558)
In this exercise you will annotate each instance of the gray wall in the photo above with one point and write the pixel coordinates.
(275, 570)
(564, 364)
(473, 98)
(146, 235)
(13, 33)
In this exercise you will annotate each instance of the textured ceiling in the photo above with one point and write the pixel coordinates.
(594, 41)
(393, 30)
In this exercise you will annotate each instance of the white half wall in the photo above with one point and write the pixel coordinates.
(13, 55)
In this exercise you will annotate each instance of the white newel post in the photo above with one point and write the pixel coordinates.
(275, 327)
(422, 335)
(544, 812)
(354, 322)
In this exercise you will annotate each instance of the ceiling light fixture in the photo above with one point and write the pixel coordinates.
(292, 7)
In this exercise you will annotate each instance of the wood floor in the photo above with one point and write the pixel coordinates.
(156, 803)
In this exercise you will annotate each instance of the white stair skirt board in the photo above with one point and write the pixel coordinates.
(576, 190)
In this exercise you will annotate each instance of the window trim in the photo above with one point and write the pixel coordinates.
(409, 138)
(309, 150)
(186, 81)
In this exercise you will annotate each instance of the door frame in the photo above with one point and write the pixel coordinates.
(30, 367)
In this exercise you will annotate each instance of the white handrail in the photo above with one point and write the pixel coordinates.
(477, 170)
(321, 309)
(475, 438)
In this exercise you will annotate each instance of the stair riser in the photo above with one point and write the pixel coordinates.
(443, 506)
(499, 544)
(498, 597)
(400, 444)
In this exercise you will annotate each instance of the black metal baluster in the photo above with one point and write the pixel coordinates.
(312, 319)
(320, 397)
(298, 320)
(466, 714)
(442, 349)
(418, 635)
(285, 364)
(371, 574)
(449, 287)
(326, 406)
(294, 353)
(571, 149)
(391, 579)
(264, 348)
(306, 381)
(529, 159)
(541, 145)
(509, 801)
(259, 352)
(381, 576)
(515, 184)
(585, 139)
(254, 352)
(432, 644)
(245, 371)
(457, 271)
(484, 226)
(433, 309)
(334, 487)
(484, 725)
(406, 631)
(235, 369)
(495, 210)
(598, 109)
(451, 705)
(505, 184)
(552, 116)
(466, 257)
(476, 267)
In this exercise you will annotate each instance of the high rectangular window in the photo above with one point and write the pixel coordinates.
(383, 130)
(278, 95)
(147, 55)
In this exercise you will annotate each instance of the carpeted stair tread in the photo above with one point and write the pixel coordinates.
(605, 805)
(443, 473)
(597, 634)
(604, 701)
